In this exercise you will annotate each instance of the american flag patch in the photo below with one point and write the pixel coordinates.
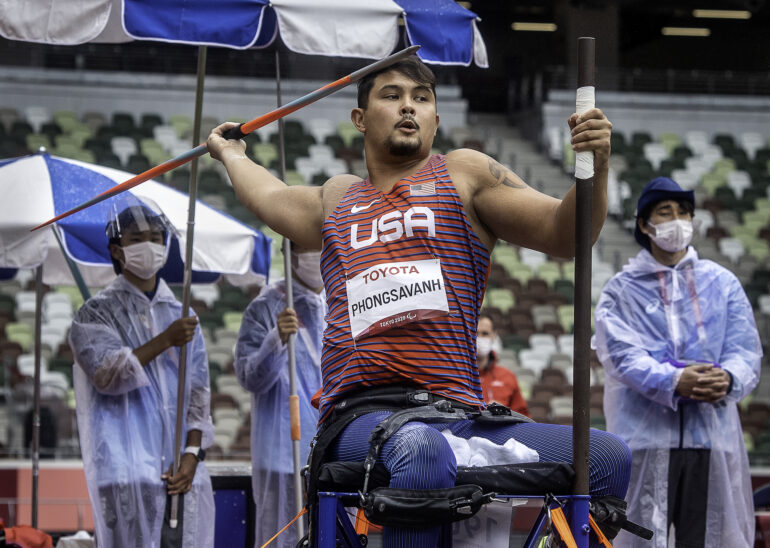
(423, 189)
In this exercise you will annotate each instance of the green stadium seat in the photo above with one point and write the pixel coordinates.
(265, 153)
(66, 150)
(232, 320)
(181, 124)
(347, 132)
(670, 141)
(549, 272)
(500, 298)
(67, 120)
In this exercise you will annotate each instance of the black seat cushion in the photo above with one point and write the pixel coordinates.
(533, 478)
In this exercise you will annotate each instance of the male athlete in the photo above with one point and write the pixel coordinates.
(405, 258)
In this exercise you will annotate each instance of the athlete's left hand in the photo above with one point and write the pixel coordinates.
(591, 131)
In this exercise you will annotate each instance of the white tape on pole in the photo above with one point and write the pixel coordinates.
(584, 161)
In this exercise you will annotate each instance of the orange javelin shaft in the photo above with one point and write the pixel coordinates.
(239, 132)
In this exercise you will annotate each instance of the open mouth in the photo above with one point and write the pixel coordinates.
(407, 124)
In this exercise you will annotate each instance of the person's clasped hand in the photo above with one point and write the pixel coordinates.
(182, 481)
(703, 382)
(288, 324)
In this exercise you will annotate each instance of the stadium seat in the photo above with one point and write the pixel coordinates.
(752, 142)
(36, 116)
(670, 141)
(347, 132)
(655, 153)
(181, 124)
(500, 298)
(732, 248)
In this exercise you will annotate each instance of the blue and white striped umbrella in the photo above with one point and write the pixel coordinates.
(36, 187)
(447, 32)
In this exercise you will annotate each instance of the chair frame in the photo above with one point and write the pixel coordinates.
(331, 513)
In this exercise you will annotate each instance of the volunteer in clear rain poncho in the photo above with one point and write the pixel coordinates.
(126, 342)
(666, 311)
(261, 363)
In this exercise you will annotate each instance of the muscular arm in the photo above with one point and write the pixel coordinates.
(293, 211)
(503, 206)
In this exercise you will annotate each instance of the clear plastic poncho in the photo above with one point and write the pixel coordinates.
(127, 416)
(262, 366)
(697, 310)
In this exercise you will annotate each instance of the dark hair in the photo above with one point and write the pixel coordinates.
(411, 67)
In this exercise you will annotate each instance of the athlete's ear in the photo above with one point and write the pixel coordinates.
(357, 117)
(435, 132)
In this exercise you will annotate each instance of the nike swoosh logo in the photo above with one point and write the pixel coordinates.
(356, 208)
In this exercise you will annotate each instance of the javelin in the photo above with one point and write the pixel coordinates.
(240, 131)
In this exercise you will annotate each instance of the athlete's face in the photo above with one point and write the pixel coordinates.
(401, 115)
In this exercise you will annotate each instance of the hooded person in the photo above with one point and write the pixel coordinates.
(126, 342)
(677, 338)
(261, 363)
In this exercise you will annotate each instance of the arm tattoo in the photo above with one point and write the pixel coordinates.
(503, 176)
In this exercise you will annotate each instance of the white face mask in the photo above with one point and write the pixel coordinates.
(307, 267)
(484, 345)
(672, 236)
(144, 259)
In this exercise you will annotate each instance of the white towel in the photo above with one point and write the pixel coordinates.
(477, 451)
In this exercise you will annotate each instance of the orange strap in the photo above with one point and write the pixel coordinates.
(275, 536)
(560, 523)
(294, 417)
(362, 524)
(598, 532)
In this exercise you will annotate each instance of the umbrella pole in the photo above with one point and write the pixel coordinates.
(74, 270)
(193, 191)
(582, 314)
(36, 393)
(293, 397)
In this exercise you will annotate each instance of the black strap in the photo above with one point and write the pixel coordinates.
(423, 507)
(440, 411)
(610, 515)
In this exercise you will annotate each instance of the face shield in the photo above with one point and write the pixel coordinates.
(141, 230)
(136, 217)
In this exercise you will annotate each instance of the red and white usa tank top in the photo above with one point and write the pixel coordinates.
(405, 276)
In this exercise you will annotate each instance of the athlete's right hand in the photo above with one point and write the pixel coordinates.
(220, 148)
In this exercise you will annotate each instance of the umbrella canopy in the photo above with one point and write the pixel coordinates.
(446, 31)
(36, 187)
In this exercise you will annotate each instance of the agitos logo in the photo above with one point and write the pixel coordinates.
(389, 227)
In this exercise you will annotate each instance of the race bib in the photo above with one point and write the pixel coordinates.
(394, 294)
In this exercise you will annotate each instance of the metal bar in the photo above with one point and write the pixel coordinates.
(291, 343)
(327, 520)
(240, 131)
(578, 518)
(36, 392)
(193, 191)
(582, 319)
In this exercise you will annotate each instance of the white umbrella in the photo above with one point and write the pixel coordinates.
(35, 188)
